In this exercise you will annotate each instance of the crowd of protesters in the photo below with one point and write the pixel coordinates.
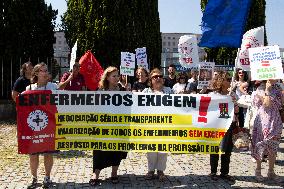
(266, 128)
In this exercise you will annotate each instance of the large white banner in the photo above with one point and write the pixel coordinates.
(141, 56)
(266, 63)
(127, 63)
(141, 122)
(252, 38)
(206, 71)
(73, 56)
(188, 51)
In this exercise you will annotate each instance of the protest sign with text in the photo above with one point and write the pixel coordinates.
(265, 63)
(188, 51)
(127, 63)
(130, 121)
(206, 70)
(251, 39)
(141, 56)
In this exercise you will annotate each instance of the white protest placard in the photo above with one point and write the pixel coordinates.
(251, 39)
(265, 63)
(127, 63)
(73, 56)
(141, 56)
(188, 51)
(206, 70)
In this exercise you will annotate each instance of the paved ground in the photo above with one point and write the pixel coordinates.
(73, 169)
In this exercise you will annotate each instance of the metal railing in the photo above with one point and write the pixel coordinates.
(10, 70)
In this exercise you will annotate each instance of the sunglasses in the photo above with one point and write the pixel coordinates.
(157, 76)
(240, 72)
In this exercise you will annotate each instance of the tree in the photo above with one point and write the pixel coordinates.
(30, 25)
(108, 27)
(255, 19)
(26, 30)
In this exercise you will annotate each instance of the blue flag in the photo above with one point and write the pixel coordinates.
(223, 23)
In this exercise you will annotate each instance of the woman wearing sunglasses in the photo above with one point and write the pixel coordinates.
(156, 160)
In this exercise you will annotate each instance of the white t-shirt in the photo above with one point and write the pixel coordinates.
(179, 87)
(48, 86)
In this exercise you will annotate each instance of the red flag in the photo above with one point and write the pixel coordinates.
(91, 70)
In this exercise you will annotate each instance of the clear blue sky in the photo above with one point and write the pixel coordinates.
(184, 16)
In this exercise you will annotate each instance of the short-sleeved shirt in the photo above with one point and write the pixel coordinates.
(139, 86)
(48, 86)
(170, 82)
(21, 84)
(75, 84)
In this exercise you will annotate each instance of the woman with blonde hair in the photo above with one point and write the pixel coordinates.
(102, 159)
(156, 160)
(267, 129)
(39, 78)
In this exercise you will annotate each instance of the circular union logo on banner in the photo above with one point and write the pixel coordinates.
(37, 120)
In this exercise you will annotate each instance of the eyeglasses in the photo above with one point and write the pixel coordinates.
(157, 76)
(240, 72)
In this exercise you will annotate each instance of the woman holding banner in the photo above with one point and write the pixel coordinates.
(102, 159)
(220, 85)
(267, 128)
(156, 160)
(39, 79)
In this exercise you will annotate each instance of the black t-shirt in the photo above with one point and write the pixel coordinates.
(139, 86)
(21, 84)
(170, 82)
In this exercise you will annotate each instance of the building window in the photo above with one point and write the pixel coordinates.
(169, 37)
(174, 43)
(174, 38)
(175, 50)
(169, 43)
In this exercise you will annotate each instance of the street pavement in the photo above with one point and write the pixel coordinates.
(73, 169)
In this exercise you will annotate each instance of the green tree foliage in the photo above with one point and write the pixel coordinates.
(27, 29)
(108, 27)
(255, 19)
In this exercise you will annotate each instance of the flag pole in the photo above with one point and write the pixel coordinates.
(234, 72)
